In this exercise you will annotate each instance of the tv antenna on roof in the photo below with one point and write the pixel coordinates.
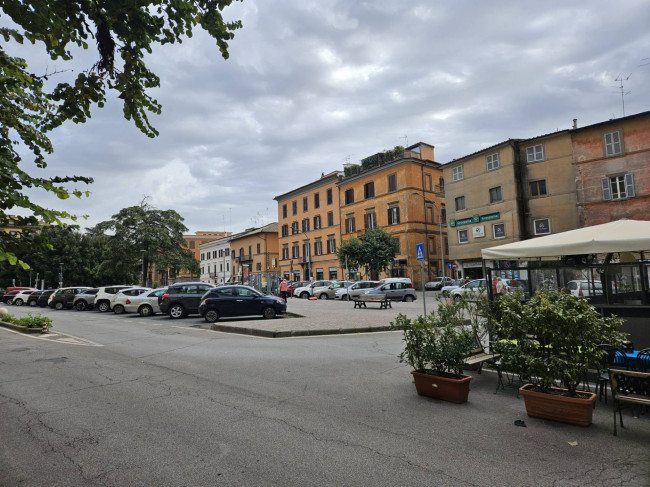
(406, 140)
(347, 161)
(620, 79)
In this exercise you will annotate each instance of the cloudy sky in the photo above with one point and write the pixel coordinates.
(313, 83)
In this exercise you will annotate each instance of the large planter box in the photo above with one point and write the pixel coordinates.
(23, 329)
(557, 407)
(444, 387)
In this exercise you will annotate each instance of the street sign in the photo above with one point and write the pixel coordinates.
(451, 265)
(419, 251)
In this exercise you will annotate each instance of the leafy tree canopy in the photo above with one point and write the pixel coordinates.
(123, 32)
(375, 249)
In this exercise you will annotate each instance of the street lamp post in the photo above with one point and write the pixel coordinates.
(60, 274)
(307, 257)
(144, 281)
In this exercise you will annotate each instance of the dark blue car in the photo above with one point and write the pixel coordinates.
(232, 301)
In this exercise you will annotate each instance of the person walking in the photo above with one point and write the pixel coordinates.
(284, 289)
(500, 286)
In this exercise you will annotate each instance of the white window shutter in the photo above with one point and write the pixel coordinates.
(607, 193)
(629, 185)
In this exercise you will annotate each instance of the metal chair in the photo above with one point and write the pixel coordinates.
(642, 362)
(615, 358)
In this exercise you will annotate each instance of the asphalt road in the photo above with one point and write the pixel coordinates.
(132, 401)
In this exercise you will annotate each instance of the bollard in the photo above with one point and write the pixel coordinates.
(44, 330)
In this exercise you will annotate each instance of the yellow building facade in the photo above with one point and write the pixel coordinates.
(254, 257)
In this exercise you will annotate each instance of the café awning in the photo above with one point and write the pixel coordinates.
(617, 236)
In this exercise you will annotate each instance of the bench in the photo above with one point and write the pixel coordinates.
(361, 300)
(478, 356)
(629, 387)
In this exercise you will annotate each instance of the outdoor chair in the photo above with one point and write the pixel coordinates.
(614, 358)
(642, 362)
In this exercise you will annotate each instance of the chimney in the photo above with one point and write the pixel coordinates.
(575, 123)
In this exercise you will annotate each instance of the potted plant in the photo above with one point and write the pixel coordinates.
(551, 342)
(435, 346)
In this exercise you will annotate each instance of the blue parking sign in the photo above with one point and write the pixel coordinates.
(419, 251)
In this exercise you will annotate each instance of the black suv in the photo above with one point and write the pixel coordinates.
(183, 298)
(64, 297)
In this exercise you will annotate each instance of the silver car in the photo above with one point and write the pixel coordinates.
(122, 301)
(330, 291)
(355, 289)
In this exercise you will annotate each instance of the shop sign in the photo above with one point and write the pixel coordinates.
(475, 219)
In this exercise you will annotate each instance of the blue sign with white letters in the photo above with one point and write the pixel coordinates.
(419, 251)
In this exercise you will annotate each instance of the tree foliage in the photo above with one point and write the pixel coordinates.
(375, 249)
(145, 232)
(124, 32)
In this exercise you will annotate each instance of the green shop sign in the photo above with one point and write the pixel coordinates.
(475, 219)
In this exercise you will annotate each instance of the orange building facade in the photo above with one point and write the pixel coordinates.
(254, 257)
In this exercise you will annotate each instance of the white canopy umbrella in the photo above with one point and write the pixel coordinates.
(618, 236)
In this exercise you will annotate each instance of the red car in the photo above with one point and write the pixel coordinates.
(294, 285)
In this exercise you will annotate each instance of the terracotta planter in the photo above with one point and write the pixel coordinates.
(445, 387)
(573, 410)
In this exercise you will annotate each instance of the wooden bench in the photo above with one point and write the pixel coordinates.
(478, 356)
(629, 387)
(361, 300)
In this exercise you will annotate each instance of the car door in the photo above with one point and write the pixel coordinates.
(247, 302)
(223, 301)
(151, 298)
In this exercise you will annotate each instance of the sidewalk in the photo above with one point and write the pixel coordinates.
(325, 317)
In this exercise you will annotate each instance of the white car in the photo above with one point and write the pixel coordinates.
(312, 289)
(446, 290)
(577, 288)
(22, 297)
(471, 289)
(123, 298)
(104, 296)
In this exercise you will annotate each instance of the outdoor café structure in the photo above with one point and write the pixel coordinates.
(612, 260)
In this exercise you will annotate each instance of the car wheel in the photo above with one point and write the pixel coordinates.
(456, 296)
(211, 315)
(323, 296)
(18, 302)
(80, 305)
(103, 306)
(408, 298)
(58, 305)
(345, 297)
(32, 303)
(304, 295)
(145, 310)
(268, 313)
(118, 309)
(176, 311)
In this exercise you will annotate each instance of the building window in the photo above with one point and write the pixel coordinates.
(535, 153)
(491, 162)
(612, 144)
(329, 196)
(537, 188)
(258, 266)
(495, 194)
(618, 187)
(285, 230)
(284, 211)
(228, 252)
(463, 236)
(259, 248)
(318, 247)
(369, 190)
(294, 207)
(294, 228)
(192, 244)
(499, 230)
(316, 200)
(285, 251)
(428, 182)
(349, 196)
(305, 225)
(393, 215)
(295, 251)
(398, 247)
(432, 245)
(429, 215)
(349, 224)
(305, 204)
(331, 244)
(392, 183)
(460, 203)
(316, 222)
(306, 250)
(330, 218)
(457, 173)
(369, 220)
(542, 226)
